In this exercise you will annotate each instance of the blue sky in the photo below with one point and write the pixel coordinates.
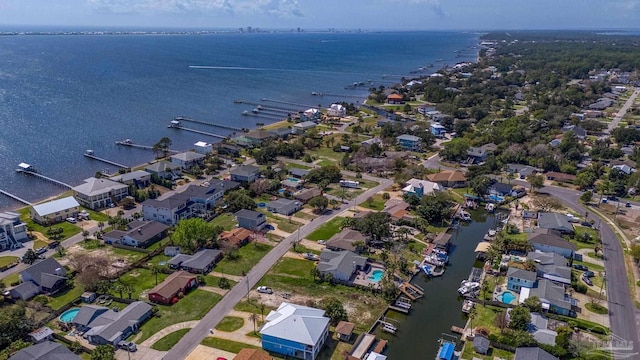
(323, 14)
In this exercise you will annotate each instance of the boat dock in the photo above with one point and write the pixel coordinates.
(221, 126)
(15, 197)
(29, 171)
(335, 95)
(176, 125)
(402, 304)
(128, 142)
(457, 330)
(90, 155)
(287, 103)
(281, 108)
(413, 292)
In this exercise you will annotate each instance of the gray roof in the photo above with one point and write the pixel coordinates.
(161, 166)
(550, 293)
(298, 172)
(345, 239)
(283, 204)
(46, 272)
(178, 259)
(134, 175)
(110, 325)
(533, 353)
(41, 334)
(198, 261)
(25, 290)
(88, 313)
(245, 170)
(551, 264)
(521, 274)
(139, 230)
(551, 238)
(477, 151)
(174, 201)
(481, 344)
(93, 186)
(203, 192)
(307, 194)
(538, 328)
(341, 261)
(408, 137)
(47, 350)
(188, 156)
(554, 221)
(249, 214)
(54, 206)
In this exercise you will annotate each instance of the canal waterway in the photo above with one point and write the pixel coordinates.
(440, 308)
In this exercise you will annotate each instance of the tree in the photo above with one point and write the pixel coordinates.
(635, 252)
(480, 185)
(319, 204)
(533, 303)
(519, 318)
(260, 186)
(155, 270)
(434, 209)
(330, 173)
(547, 203)
(536, 181)
(29, 257)
(104, 286)
(586, 197)
(192, 234)
(90, 269)
(85, 235)
(375, 225)
(14, 324)
(103, 352)
(253, 318)
(223, 283)
(315, 273)
(334, 310)
(127, 203)
(162, 147)
(238, 200)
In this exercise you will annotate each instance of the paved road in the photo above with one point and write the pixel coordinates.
(434, 163)
(189, 342)
(623, 111)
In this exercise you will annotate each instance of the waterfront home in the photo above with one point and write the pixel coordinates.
(201, 262)
(13, 231)
(342, 265)
(395, 99)
(553, 297)
(501, 189)
(140, 234)
(295, 330)
(310, 115)
(251, 220)
(539, 328)
(44, 276)
(235, 238)
(551, 241)
(346, 240)
(337, 110)
(47, 350)
(449, 178)
(397, 210)
(409, 142)
(245, 173)
(258, 137)
(555, 221)
(551, 266)
(164, 170)
(100, 193)
(560, 177)
(437, 130)
(301, 127)
(111, 327)
(532, 353)
(442, 241)
(519, 278)
(187, 159)
(54, 211)
(139, 178)
(421, 188)
(202, 147)
(252, 354)
(305, 195)
(168, 292)
(223, 148)
(284, 206)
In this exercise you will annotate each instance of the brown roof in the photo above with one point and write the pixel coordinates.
(559, 176)
(442, 239)
(174, 282)
(447, 175)
(380, 346)
(252, 354)
(235, 236)
(345, 239)
(259, 134)
(395, 96)
(307, 194)
(345, 328)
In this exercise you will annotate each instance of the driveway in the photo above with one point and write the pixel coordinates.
(623, 110)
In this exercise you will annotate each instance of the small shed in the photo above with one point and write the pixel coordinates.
(481, 344)
(172, 250)
(40, 335)
(88, 297)
(344, 330)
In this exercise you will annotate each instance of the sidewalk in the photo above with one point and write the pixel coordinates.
(589, 259)
(168, 330)
(240, 335)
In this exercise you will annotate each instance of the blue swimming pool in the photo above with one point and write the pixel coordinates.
(496, 198)
(261, 204)
(376, 275)
(506, 297)
(69, 315)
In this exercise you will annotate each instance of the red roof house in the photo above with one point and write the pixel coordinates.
(167, 291)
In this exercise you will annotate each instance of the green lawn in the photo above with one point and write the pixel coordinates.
(131, 255)
(193, 306)
(68, 228)
(294, 267)
(226, 345)
(327, 230)
(168, 341)
(348, 194)
(596, 308)
(62, 299)
(142, 280)
(211, 280)
(11, 279)
(6, 260)
(230, 323)
(469, 353)
(162, 258)
(375, 202)
(158, 244)
(248, 256)
(96, 215)
(39, 243)
(304, 215)
(485, 317)
(286, 225)
(227, 221)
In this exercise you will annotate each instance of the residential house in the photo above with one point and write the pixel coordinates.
(111, 327)
(397, 210)
(551, 266)
(579, 132)
(298, 173)
(88, 297)
(481, 344)
(533, 353)
(424, 109)
(311, 114)
(13, 231)
(555, 142)
(337, 110)
(624, 168)
(551, 241)
(164, 170)
(394, 99)
(344, 330)
(251, 220)
(442, 241)
(245, 173)
(342, 265)
(301, 127)
(409, 142)
(172, 250)
(100, 193)
(223, 148)
(421, 188)
(45, 276)
(139, 178)
(54, 211)
(519, 278)
(501, 189)
(205, 198)
(252, 354)
(296, 331)
(201, 262)
(539, 328)
(168, 211)
(167, 292)
(553, 297)
(521, 170)
(292, 185)
(187, 160)
(202, 147)
(284, 206)
(437, 130)
(476, 155)
(373, 140)
(86, 315)
(305, 195)
(554, 221)
(259, 136)
(47, 350)
(140, 234)
(346, 240)
(237, 237)
(559, 177)
(449, 178)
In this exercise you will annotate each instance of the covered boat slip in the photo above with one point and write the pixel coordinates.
(446, 351)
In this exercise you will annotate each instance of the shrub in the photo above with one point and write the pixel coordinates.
(223, 283)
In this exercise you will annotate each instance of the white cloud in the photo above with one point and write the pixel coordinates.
(278, 8)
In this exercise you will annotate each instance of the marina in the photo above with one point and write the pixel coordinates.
(91, 155)
(175, 124)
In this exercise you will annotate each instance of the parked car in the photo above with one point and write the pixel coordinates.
(54, 244)
(72, 220)
(580, 267)
(585, 223)
(612, 198)
(628, 204)
(41, 250)
(264, 290)
(127, 345)
(587, 280)
(588, 274)
(311, 256)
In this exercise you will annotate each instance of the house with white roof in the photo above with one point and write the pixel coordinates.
(99, 193)
(203, 147)
(301, 127)
(12, 231)
(296, 331)
(420, 188)
(337, 110)
(54, 211)
(310, 115)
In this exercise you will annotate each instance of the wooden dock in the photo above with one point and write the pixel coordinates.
(457, 330)
(45, 178)
(15, 197)
(106, 161)
(281, 108)
(196, 131)
(413, 292)
(129, 143)
(287, 103)
(208, 123)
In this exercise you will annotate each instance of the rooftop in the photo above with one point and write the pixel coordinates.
(134, 175)
(54, 206)
(174, 282)
(301, 324)
(94, 186)
(188, 156)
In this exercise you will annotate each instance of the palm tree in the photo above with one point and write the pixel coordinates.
(120, 289)
(253, 317)
(100, 225)
(128, 289)
(262, 308)
(85, 235)
(155, 270)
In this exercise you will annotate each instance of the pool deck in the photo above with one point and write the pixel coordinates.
(362, 279)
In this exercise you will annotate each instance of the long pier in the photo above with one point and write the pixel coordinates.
(282, 108)
(264, 116)
(15, 197)
(286, 103)
(106, 161)
(46, 178)
(337, 95)
(197, 131)
(221, 126)
(140, 146)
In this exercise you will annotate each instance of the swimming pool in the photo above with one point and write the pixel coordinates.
(496, 198)
(376, 275)
(69, 315)
(261, 204)
(506, 297)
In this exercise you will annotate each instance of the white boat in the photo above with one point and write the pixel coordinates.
(427, 270)
(464, 216)
(467, 305)
(490, 207)
(468, 287)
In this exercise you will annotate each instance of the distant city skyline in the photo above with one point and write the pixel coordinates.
(325, 14)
